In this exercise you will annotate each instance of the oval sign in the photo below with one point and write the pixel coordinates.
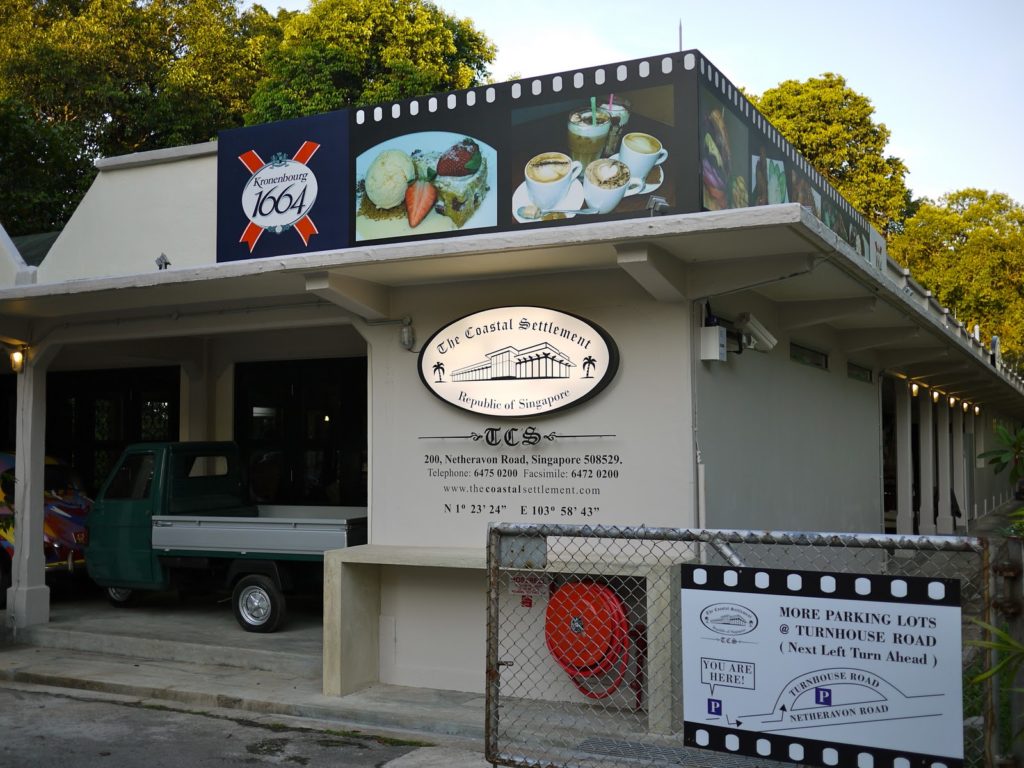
(729, 619)
(518, 361)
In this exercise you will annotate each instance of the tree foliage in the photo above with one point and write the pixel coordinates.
(109, 77)
(833, 126)
(357, 52)
(968, 248)
(42, 172)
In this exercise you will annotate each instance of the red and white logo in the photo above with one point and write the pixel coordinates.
(279, 195)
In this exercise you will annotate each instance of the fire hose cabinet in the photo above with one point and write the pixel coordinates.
(608, 634)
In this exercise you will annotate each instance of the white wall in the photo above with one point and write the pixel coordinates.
(990, 489)
(786, 446)
(132, 214)
(645, 412)
(11, 263)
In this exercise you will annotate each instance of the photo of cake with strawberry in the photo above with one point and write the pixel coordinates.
(422, 183)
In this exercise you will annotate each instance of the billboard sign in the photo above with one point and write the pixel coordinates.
(662, 135)
(822, 668)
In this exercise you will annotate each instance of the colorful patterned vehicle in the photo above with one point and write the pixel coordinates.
(65, 509)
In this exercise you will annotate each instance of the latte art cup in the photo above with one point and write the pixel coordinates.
(641, 152)
(548, 176)
(606, 181)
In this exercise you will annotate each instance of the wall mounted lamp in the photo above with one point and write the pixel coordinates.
(977, 410)
(407, 336)
(952, 401)
(935, 396)
(18, 359)
(914, 389)
(967, 406)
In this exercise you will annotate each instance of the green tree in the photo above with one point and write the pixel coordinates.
(42, 172)
(968, 248)
(127, 75)
(833, 126)
(356, 52)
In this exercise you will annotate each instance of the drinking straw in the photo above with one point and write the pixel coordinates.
(593, 110)
(611, 101)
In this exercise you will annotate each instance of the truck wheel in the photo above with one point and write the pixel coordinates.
(120, 596)
(259, 604)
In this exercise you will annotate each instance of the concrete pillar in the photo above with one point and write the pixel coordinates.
(194, 420)
(926, 465)
(959, 466)
(943, 457)
(970, 466)
(904, 461)
(28, 599)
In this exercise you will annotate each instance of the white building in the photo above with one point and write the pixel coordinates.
(819, 432)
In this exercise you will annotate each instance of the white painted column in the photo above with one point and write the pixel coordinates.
(904, 461)
(28, 599)
(944, 522)
(959, 462)
(194, 418)
(926, 464)
(970, 463)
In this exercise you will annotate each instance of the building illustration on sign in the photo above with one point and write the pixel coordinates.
(540, 361)
(821, 667)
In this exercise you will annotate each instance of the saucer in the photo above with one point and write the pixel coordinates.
(572, 201)
(649, 186)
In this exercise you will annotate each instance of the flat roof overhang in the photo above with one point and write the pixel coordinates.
(781, 252)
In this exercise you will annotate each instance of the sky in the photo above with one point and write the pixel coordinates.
(945, 76)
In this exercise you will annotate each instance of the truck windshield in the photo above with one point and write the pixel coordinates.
(133, 477)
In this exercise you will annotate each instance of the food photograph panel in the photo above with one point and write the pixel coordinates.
(426, 182)
(594, 154)
(724, 149)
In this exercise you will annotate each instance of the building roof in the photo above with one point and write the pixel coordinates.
(33, 248)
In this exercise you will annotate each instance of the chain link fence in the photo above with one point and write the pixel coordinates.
(598, 636)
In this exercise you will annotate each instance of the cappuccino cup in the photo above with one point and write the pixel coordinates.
(548, 176)
(606, 181)
(641, 152)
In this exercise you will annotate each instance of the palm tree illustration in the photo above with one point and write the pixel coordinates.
(439, 370)
(588, 363)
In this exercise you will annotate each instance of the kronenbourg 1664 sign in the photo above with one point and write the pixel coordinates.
(518, 361)
(279, 195)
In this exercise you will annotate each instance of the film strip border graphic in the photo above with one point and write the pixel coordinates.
(910, 590)
(807, 751)
(841, 586)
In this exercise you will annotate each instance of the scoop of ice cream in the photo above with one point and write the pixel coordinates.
(388, 177)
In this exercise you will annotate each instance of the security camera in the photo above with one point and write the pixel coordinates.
(762, 340)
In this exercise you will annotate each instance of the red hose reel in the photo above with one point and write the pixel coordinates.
(588, 634)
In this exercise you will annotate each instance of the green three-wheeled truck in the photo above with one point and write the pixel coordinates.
(177, 515)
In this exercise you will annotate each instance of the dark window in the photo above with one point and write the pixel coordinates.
(859, 372)
(301, 426)
(92, 415)
(133, 478)
(808, 356)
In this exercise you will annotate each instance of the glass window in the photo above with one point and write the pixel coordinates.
(134, 477)
(808, 356)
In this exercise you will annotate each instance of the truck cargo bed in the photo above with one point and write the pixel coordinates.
(254, 535)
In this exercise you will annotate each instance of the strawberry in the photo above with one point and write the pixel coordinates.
(419, 199)
(462, 159)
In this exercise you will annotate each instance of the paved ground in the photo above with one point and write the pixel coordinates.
(48, 728)
(190, 656)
